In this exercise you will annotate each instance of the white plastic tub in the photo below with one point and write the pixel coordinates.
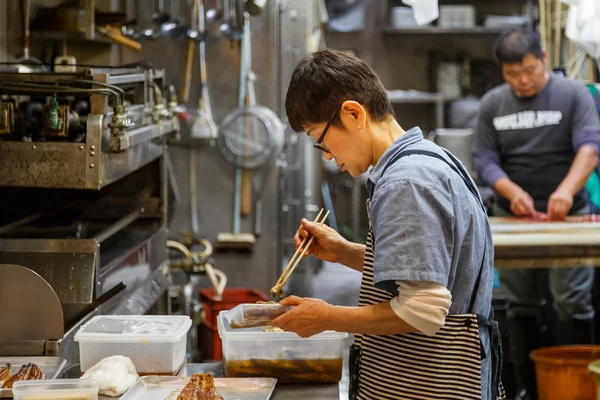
(282, 355)
(80, 389)
(156, 344)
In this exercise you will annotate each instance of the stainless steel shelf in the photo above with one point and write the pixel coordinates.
(447, 31)
(414, 96)
(417, 97)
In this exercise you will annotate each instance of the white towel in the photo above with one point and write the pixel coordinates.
(425, 11)
(582, 25)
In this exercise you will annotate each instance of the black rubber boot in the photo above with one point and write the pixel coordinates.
(577, 331)
(524, 335)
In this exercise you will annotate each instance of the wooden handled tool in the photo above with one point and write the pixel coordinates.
(115, 35)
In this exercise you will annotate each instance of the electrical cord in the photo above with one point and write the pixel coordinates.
(41, 88)
(102, 84)
(146, 65)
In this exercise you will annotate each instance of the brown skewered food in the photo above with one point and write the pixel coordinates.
(27, 372)
(36, 373)
(19, 376)
(4, 374)
(200, 387)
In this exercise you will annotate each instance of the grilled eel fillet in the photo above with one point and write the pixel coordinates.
(200, 387)
(5, 374)
(29, 372)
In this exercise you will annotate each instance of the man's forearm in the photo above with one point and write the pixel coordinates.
(583, 165)
(507, 188)
(354, 256)
(377, 319)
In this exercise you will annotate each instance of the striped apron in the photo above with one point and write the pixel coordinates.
(444, 366)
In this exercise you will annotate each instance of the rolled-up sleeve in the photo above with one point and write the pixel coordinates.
(487, 155)
(423, 305)
(414, 236)
(586, 124)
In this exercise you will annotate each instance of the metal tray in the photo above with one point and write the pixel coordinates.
(168, 388)
(52, 367)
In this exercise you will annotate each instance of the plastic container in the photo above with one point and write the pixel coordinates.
(251, 315)
(282, 355)
(403, 18)
(156, 344)
(63, 389)
(231, 297)
(460, 16)
(562, 372)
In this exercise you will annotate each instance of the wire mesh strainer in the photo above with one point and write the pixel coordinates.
(250, 137)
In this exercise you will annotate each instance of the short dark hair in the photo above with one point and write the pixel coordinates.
(325, 80)
(512, 46)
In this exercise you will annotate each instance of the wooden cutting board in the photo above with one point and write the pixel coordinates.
(576, 230)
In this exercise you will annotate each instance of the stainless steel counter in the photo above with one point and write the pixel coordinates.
(337, 391)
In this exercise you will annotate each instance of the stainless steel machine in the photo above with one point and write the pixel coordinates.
(84, 201)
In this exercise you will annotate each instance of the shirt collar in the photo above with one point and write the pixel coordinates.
(411, 137)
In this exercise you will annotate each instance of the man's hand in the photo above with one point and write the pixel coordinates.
(521, 204)
(327, 245)
(559, 204)
(308, 317)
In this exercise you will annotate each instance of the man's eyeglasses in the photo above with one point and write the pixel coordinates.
(318, 145)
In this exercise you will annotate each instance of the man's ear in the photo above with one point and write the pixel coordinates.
(354, 111)
(544, 57)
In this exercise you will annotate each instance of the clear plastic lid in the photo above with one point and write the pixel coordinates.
(60, 389)
(126, 328)
(259, 333)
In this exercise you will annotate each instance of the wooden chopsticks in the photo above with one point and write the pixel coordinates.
(295, 260)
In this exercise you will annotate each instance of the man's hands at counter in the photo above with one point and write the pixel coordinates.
(308, 317)
(559, 204)
(328, 245)
(521, 204)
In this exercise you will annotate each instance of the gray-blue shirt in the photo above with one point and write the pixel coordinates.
(428, 226)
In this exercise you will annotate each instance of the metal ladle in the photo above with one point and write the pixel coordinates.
(232, 28)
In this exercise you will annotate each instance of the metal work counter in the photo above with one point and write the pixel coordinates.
(337, 391)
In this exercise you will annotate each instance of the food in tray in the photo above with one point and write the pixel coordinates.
(255, 315)
(115, 375)
(273, 329)
(287, 371)
(5, 374)
(200, 387)
(29, 372)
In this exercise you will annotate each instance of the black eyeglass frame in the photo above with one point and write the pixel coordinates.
(318, 145)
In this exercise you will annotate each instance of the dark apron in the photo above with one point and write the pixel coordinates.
(418, 378)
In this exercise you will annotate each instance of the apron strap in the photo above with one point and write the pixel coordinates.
(455, 165)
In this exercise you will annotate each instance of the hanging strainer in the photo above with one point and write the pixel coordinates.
(250, 137)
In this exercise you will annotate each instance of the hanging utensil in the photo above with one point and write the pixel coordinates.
(27, 67)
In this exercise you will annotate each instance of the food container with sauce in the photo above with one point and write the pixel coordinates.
(62, 389)
(157, 344)
(261, 352)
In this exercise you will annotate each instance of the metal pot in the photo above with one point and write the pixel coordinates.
(460, 142)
